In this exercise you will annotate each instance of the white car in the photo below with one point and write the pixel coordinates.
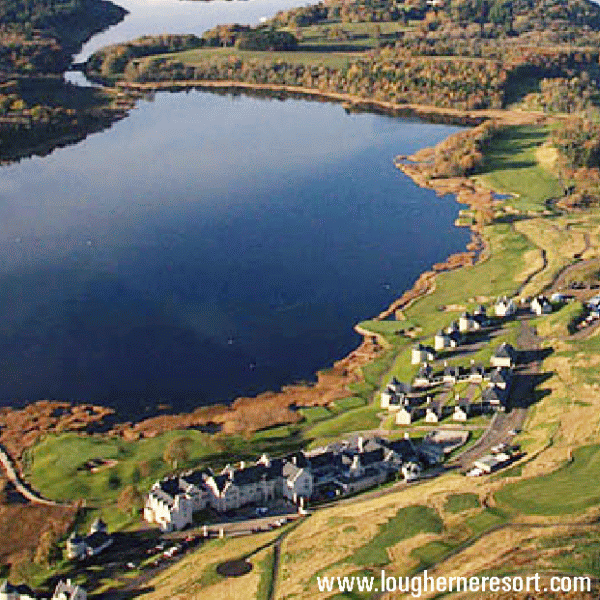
(474, 472)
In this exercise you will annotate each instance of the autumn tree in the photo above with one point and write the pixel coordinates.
(177, 451)
(130, 500)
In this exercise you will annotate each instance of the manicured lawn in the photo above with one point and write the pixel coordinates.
(456, 503)
(571, 489)
(346, 422)
(511, 166)
(407, 523)
(315, 414)
(57, 460)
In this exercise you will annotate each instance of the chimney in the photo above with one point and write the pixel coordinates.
(242, 464)
(361, 443)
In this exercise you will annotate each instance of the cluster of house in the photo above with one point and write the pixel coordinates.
(410, 401)
(80, 547)
(65, 590)
(340, 468)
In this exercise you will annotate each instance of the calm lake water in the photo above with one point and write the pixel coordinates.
(207, 247)
(149, 17)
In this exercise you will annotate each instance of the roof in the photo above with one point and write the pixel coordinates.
(291, 471)
(323, 459)
(505, 351)
(196, 477)
(493, 395)
(452, 370)
(477, 369)
(161, 495)
(170, 486)
(374, 456)
(95, 540)
(403, 447)
(424, 371)
(464, 404)
(500, 376)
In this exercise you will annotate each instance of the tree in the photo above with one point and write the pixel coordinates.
(177, 451)
(130, 500)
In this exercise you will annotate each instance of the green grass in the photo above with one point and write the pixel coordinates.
(407, 523)
(346, 422)
(57, 458)
(485, 520)
(456, 503)
(199, 55)
(315, 414)
(265, 584)
(511, 166)
(493, 277)
(431, 553)
(572, 488)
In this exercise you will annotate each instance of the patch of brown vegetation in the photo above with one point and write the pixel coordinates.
(22, 427)
(33, 521)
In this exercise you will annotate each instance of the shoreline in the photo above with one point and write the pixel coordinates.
(273, 408)
(332, 383)
(351, 102)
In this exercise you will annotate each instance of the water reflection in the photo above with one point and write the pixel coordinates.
(207, 247)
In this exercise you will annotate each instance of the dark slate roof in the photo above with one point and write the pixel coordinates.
(374, 456)
(95, 540)
(9, 588)
(505, 351)
(221, 481)
(402, 388)
(298, 457)
(252, 474)
(159, 493)
(403, 448)
(275, 469)
(196, 477)
(324, 460)
(493, 396)
(170, 486)
(464, 404)
(425, 371)
(477, 369)
(452, 370)
(500, 376)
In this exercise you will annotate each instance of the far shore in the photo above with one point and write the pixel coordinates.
(426, 112)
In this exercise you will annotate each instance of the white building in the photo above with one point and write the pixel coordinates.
(65, 590)
(505, 307)
(421, 354)
(504, 356)
(404, 416)
(467, 323)
(541, 306)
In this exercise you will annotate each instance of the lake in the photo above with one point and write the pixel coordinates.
(208, 246)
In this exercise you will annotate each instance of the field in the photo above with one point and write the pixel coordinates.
(512, 167)
(338, 60)
(570, 489)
